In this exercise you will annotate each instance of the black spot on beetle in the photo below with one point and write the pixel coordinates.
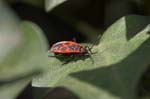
(57, 47)
(72, 48)
(78, 48)
(63, 49)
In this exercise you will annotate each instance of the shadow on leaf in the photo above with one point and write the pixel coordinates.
(65, 59)
(120, 79)
(133, 27)
(53, 93)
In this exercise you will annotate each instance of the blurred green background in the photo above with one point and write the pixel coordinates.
(28, 28)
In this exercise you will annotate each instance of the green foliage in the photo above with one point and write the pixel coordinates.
(50, 4)
(121, 58)
(22, 53)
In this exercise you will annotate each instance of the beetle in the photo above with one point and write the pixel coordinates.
(70, 48)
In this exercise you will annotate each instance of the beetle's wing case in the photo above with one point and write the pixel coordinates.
(55, 47)
(67, 47)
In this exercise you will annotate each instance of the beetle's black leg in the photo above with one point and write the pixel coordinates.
(89, 50)
(74, 39)
(89, 54)
(55, 55)
(51, 56)
(66, 62)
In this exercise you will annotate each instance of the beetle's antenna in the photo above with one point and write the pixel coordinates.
(95, 42)
(74, 39)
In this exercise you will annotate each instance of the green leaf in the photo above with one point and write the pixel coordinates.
(22, 53)
(50, 4)
(122, 56)
(12, 89)
(10, 36)
(26, 58)
(25, 61)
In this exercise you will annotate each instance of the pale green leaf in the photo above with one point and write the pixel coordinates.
(22, 53)
(122, 56)
(24, 62)
(50, 4)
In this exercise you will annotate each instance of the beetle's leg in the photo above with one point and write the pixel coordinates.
(74, 39)
(89, 54)
(89, 50)
(51, 56)
(55, 55)
(66, 62)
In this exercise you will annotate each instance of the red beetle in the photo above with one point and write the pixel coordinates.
(70, 48)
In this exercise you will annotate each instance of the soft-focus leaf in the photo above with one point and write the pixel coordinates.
(122, 56)
(22, 53)
(12, 89)
(27, 57)
(50, 4)
(24, 62)
(10, 34)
